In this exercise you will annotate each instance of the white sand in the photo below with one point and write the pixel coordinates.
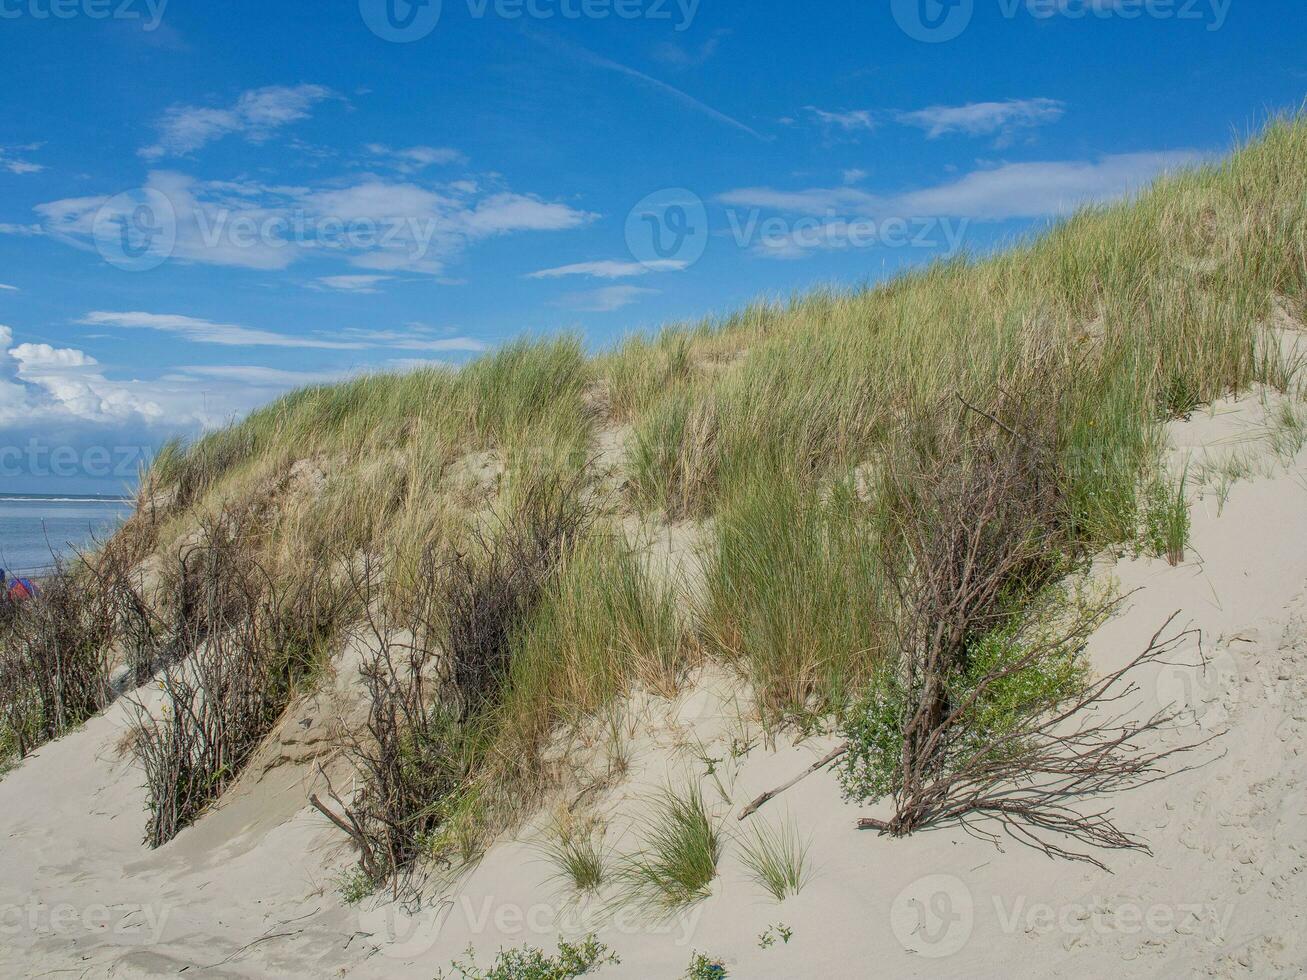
(248, 892)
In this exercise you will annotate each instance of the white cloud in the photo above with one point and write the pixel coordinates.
(609, 269)
(378, 225)
(43, 357)
(351, 284)
(66, 384)
(264, 377)
(415, 158)
(682, 56)
(502, 213)
(1013, 190)
(207, 332)
(1006, 192)
(848, 121)
(12, 158)
(854, 176)
(9, 228)
(415, 337)
(604, 300)
(1051, 189)
(202, 331)
(984, 118)
(256, 114)
(6, 286)
(63, 396)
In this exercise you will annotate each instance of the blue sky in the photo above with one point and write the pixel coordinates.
(203, 204)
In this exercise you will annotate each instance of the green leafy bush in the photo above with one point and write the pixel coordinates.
(703, 967)
(529, 963)
(874, 729)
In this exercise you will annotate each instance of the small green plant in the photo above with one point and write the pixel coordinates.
(529, 963)
(703, 967)
(683, 846)
(772, 933)
(776, 858)
(579, 855)
(354, 884)
(1166, 520)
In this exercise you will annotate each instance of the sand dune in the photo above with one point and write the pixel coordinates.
(249, 891)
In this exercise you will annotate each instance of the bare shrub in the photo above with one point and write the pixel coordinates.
(981, 715)
(241, 643)
(1050, 753)
(59, 648)
(433, 669)
(974, 524)
(406, 756)
(20, 706)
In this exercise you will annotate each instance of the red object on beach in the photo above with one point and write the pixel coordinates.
(21, 589)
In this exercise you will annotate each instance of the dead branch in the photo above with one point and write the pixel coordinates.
(771, 794)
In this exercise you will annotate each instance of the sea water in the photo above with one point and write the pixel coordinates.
(38, 529)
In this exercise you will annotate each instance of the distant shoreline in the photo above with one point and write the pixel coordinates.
(65, 498)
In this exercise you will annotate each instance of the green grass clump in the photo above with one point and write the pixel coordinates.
(1166, 519)
(682, 845)
(794, 587)
(602, 627)
(777, 858)
(579, 857)
(529, 963)
(354, 885)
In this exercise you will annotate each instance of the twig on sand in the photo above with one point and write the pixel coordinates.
(821, 763)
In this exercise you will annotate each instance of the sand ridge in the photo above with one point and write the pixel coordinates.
(250, 892)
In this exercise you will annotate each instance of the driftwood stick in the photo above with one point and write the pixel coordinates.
(821, 763)
(867, 823)
(322, 808)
